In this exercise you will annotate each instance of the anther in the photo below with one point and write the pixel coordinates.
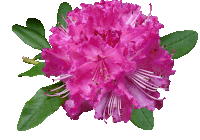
(135, 20)
(162, 76)
(71, 19)
(164, 46)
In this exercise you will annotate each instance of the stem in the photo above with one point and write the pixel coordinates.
(29, 61)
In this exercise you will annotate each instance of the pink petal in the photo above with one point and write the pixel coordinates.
(75, 106)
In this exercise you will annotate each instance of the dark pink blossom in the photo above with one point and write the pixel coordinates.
(109, 60)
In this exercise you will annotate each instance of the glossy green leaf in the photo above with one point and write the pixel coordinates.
(64, 8)
(36, 25)
(34, 71)
(30, 37)
(182, 41)
(39, 107)
(142, 118)
(38, 56)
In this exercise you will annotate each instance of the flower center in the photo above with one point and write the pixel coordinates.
(111, 37)
(100, 70)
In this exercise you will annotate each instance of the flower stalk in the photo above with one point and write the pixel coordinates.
(29, 61)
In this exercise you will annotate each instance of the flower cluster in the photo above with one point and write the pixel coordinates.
(109, 59)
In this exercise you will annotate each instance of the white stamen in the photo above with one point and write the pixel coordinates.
(104, 112)
(58, 87)
(64, 91)
(119, 100)
(142, 77)
(101, 68)
(130, 19)
(95, 73)
(65, 96)
(135, 20)
(112, 106)
(120, 104)
(106, 72)
(116, 99)
(94, 69)
(67, 75)
(147, 84)
(148, 94)
(71, 20)
(141, 84)
(62, 75)
(109, 105)
(58, 94)
(65, 34)
(63, 18)
(144, 23)
(146, 71)
(62, 27)
(146, 74)
(100, 73)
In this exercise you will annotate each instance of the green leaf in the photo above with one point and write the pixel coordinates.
(30, 37)
(39, 107)
(142, 118)
(182, 41)
(34, 71)
(38, 56)
(36, 25)
(64, 8)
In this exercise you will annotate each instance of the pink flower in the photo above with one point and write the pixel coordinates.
(115, 100)
(109, 60)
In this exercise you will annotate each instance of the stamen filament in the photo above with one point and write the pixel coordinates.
(62, 27)
(146, 74)
(64, 91)
(65, 96)
(104, 113)
(147, 84)
(135, 20)
(141, 84)
(142, 77)
(148, 15)
(96, 69)
(57, 94)
(58, 87)
(115, 102)
(118, 106)
(129, 20)
(71, 20)
(63, 18)
(146, 71)
(100, 69)
(67, 75)
(148, 94)
(106, 72)
(110, 105)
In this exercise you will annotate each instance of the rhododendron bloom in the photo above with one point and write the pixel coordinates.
(109, 60)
